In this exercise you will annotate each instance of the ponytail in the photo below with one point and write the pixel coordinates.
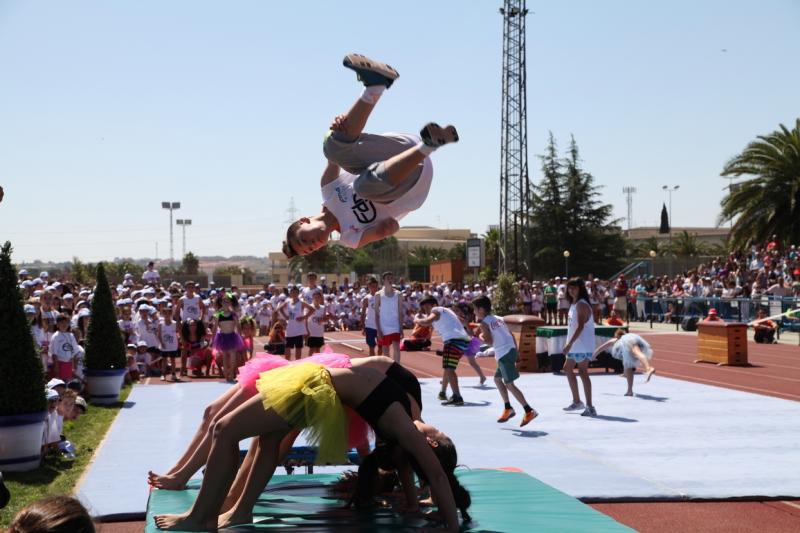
(461, 496)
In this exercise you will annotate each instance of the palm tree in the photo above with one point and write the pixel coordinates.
(685, 244)
(491, 242)
(769, 203)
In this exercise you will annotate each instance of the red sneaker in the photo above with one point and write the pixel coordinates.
(507, 414)
(529, 416)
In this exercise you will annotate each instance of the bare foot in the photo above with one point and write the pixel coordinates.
(629, 393)
(649, 374)
(166, 482)
(427, 502)
(183, 522)
(232, 518)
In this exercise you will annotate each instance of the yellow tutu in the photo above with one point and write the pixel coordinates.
(303, 395)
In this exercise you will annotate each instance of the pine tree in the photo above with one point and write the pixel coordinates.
(568, 215)
(105, 348)
(21, 372)
(664, 227)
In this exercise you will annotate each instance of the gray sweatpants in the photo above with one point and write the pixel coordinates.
(365, 158)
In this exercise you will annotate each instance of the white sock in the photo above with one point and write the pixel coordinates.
(425, 149)
(372, 94)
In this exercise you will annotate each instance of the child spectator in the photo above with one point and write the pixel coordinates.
(495, 332)
(194, 347)
(420, 339)
(168, 336)
(389, 317)
(133, 368)
(316, 323)
(247, 325)
(63, 349)
(764, 328)
(276, 343)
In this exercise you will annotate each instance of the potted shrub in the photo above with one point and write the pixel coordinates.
(105, 361)
(23, 406)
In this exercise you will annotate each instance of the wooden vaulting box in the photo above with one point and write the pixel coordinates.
(523, 327)
(723, 343)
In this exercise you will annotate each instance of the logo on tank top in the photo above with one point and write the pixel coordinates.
(363, 210)
(341, 195)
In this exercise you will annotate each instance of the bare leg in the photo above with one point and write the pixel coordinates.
(517, 393)
(197, 452)
(453, 377)
(209, 415)
(583, 370)
(247, 420)
(569, 366)
(629, 378)
(501, 388)
(298, 353)
(476, 367)
(648, 369)
(396, 351)
(242, 475)
(259, 474)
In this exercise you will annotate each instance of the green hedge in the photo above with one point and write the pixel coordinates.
(105, 348)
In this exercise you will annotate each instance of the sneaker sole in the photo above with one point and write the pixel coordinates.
(360, 63)
(434, 135)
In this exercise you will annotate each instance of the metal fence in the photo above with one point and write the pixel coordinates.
(674, 310)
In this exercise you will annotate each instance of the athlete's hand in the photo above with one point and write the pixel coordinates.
(339, 123)
(364, 332)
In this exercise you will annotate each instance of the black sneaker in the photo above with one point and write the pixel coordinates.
(434, 135)
(455, 400)
(370, 72)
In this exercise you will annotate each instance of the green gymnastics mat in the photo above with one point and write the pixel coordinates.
(502, 501)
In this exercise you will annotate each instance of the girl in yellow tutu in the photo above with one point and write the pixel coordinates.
(310, 396)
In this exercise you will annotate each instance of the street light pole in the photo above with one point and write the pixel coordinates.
(670, 190)
(171, 206)
(183, 222)
(566, 263)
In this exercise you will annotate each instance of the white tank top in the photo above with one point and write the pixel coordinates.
(316, 323)
(292, 311)
(169, 336)
(502, 340)
(390, 319)
(356, 215)
(585, 343)
(369, 319)
(190, 308)
(448, 325)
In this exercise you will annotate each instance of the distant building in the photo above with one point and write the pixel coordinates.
(409, 237)
(705, 235)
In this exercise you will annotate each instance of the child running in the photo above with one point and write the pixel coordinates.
(633, 351)
(496, 333)
(371, 181)
(456, 342)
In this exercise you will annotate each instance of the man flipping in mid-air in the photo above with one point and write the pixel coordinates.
(371, 181)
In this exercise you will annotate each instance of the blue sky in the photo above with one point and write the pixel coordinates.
(109, 108)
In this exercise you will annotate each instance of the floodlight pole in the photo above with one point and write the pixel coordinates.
(183, 222)
(171, 206)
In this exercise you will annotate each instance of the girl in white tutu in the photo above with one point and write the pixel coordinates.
(633, 351)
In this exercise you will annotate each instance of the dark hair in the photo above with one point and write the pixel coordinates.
(387, 274)
(448, 458)
(483, 302)
(288, 248)
(62, 318)
(583, 294)
(430, 300)
(185, 333)
(54, 514)
(311, 274)
(372, 279)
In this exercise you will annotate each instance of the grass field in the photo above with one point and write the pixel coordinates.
(57, 475)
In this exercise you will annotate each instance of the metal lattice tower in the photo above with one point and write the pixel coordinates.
(515, 191)
(629, 199)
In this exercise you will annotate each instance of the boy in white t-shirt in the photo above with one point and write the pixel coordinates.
(495, 332)
(389, 317)
(456, 341)
(371, 181)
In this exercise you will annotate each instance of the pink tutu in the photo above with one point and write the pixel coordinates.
(328, 360)
(248, 374)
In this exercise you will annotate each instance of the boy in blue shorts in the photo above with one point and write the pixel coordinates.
(496, 333)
